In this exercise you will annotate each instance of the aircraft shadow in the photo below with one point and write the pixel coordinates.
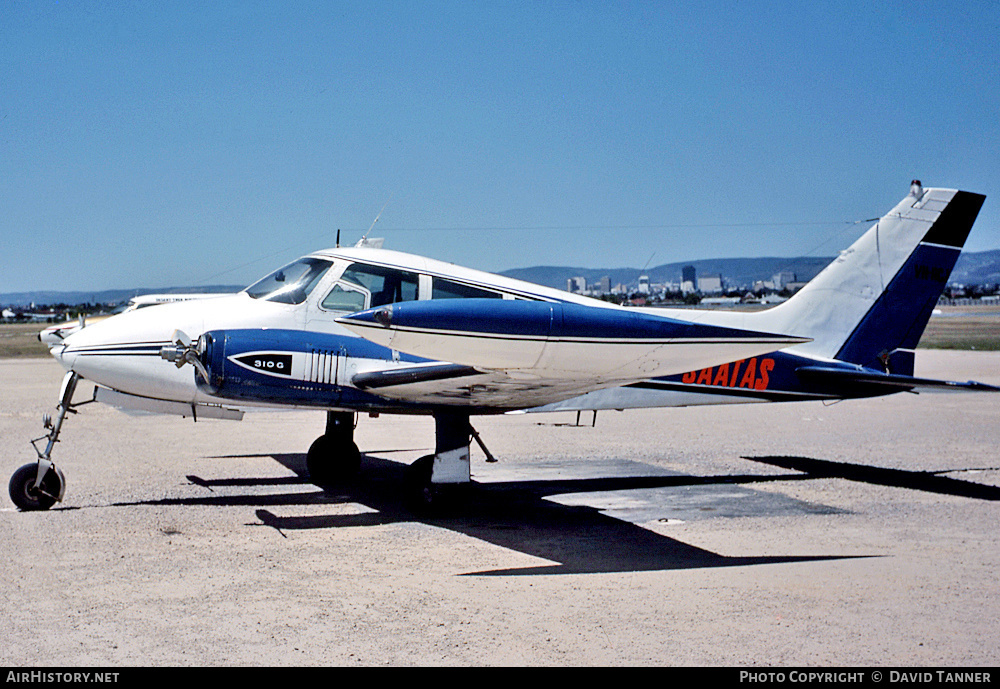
(926, 481)
(518, 516)
(514, 515)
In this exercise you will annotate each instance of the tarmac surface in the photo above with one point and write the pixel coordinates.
(863, 533)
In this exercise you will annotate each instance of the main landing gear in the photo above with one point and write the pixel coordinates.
(40, 485)
(434, 481)
(431, 481)
(333, 457)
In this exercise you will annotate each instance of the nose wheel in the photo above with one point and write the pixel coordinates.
(30, 494)
(40, 485)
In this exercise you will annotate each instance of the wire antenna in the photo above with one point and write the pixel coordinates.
(365, 235)
(648, 261)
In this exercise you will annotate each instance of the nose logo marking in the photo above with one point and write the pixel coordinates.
(277, 364)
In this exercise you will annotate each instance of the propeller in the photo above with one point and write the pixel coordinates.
(184, 351)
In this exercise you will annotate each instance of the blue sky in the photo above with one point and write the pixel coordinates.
(153, 144)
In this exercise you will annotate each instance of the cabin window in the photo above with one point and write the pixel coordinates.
(345, 298)
(446, 289)
(386, 285)
(291, 284)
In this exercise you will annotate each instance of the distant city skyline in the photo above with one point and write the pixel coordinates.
(191, 144)
(975, 268)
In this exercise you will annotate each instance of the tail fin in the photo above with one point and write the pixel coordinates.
(870, 305)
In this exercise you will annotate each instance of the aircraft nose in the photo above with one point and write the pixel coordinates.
(123, 353)
(65, 352)
(64, 357)
(80, 346)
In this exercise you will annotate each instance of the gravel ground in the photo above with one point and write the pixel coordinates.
(759, 538)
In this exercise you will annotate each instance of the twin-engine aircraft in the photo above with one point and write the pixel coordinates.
(56, 334)
(363, 329)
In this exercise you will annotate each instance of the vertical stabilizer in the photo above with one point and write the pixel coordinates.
(872, 303)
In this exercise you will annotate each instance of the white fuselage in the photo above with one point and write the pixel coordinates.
(123, 352)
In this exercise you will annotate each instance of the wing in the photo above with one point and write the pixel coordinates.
(296, 368)
(457, 385)
(516, 354)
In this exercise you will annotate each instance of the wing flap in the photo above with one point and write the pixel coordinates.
(124, 400)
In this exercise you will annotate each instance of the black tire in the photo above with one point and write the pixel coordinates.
(24, 494)
(423, 496)
(331, 462)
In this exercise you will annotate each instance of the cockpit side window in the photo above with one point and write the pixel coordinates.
(386, 285)
(291, 284)
(344, 297)
(446, 289)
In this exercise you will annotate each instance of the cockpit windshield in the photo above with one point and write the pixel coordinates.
(291, 284)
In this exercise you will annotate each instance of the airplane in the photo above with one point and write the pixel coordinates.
(55, 334)
(364, 329)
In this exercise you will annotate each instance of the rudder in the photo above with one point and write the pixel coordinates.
(889, 332)
(871, 304)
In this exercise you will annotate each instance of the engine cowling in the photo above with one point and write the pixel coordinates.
(287, 367)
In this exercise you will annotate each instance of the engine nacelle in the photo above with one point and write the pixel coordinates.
(293, 367)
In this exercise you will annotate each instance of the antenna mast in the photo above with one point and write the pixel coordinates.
(364, 238)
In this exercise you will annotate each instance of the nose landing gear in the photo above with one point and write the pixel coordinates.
(30, 494)
(40, 485)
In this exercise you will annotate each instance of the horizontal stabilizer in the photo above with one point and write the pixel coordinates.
(885, 382)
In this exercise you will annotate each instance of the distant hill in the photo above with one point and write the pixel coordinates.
(972, 268)
(978, 268)
(111, 296)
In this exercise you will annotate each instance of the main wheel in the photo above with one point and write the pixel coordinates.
(425, 497)
(330, 462)
(421, 494)
(27, 495)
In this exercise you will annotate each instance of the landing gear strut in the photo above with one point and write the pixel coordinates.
(333, 456)
(40, 485)
(433, 480)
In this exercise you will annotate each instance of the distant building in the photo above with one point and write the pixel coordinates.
(643, 284)
(772, 299)
(782, 278)
(577, 285)
(779, 281)
(710, 285)
(721, 301)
